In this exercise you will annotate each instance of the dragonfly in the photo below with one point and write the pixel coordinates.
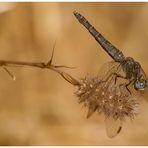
(123, 70)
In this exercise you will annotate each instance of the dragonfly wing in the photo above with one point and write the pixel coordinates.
(113, 127)
(108, 68)
(145, 94)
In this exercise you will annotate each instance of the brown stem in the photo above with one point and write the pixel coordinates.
(42, 65)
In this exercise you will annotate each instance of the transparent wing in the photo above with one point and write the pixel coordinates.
(113, 127)
(109, 68)
(144, 94)
(109, 73)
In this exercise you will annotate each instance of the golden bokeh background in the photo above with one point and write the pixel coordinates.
(40, 107)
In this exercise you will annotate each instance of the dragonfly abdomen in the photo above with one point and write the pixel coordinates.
(115, 53)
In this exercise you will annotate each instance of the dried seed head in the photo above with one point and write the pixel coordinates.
(101, 96)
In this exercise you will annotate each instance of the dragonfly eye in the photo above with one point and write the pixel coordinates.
(140, 84)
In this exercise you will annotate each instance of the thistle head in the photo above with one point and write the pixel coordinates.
(112, 100)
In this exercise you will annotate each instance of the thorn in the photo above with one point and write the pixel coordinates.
(50, 61)
(9, 73)
(58, 66)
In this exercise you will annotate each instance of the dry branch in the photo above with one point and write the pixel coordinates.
(42, 65)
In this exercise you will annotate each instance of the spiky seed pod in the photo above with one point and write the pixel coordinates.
(113, 100)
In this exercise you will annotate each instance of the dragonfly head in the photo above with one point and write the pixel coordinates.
(140, 84)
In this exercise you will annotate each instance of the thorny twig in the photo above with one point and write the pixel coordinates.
(42, 65)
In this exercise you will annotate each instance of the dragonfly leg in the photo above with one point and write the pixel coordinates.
(126, 85)
(123, 77)
(118, 76)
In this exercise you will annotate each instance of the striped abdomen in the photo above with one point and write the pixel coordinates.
(115, 53)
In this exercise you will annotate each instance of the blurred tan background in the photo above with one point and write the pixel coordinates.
(39, 108)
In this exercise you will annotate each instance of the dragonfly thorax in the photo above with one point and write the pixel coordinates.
(134, 74)
(131, 68)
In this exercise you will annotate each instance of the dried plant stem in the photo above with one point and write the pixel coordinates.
(42, 65)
